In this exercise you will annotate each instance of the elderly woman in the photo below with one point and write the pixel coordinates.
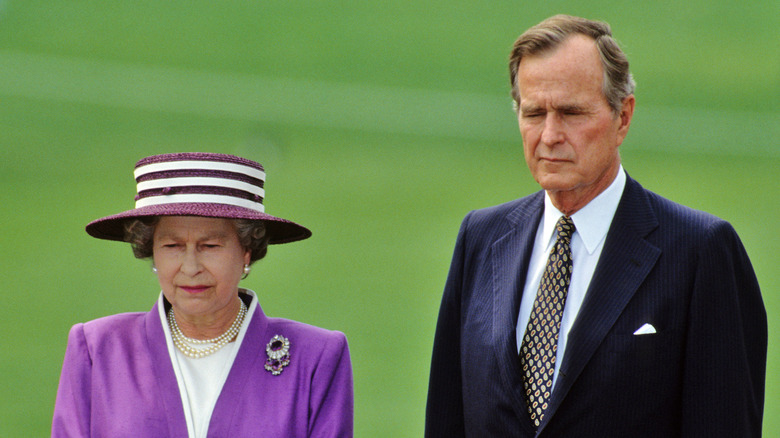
(206, 360)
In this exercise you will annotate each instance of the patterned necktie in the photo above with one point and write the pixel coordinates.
(540, 342)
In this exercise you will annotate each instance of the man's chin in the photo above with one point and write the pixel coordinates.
(555, 183)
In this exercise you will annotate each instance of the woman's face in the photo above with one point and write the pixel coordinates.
(199, 263)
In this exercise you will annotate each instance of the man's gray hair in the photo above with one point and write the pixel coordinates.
(550, 33)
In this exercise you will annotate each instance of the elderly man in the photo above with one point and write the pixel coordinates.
(593, 308)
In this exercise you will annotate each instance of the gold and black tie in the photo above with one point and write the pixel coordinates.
(540, 342)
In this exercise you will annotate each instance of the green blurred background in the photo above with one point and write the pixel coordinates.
(381, 124)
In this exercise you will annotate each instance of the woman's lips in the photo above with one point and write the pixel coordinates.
(194, 289)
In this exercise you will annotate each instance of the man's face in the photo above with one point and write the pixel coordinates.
(570, 134)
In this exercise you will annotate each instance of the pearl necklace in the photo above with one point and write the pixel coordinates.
(184, 344)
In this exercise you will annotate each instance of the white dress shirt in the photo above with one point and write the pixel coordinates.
(592, 223)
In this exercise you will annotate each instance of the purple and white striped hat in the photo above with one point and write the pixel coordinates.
(199, 184)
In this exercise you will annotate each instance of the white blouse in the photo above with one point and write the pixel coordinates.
(201, 380)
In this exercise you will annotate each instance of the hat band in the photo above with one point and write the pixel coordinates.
(200, 182)
(202, 165)
(197, 198)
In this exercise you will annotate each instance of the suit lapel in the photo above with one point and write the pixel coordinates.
(164, 374)
(625, 261)
(250, 352)
(509, 258)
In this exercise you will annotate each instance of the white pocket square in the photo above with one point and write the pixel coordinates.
(646, 329)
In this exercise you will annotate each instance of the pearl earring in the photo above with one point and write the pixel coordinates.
(154, 269)
(247, 270)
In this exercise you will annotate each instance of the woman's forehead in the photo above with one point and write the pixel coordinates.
(195, 227)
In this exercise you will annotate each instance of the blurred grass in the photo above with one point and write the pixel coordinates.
(387, 124)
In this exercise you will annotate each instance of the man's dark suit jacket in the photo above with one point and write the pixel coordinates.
(683, 271)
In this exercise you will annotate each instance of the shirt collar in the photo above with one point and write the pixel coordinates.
(593, 220)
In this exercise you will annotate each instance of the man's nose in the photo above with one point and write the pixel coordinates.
(552, 131)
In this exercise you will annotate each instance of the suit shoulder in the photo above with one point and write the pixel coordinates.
(109, 332)
(118, 323)
(671, 213)
(678, 226)
(489, 217)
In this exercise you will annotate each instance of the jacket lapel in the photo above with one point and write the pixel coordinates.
(164, 374)
(250, 352)
(510, 255)
(625, 261)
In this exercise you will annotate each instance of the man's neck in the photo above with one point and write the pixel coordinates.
(571, 201)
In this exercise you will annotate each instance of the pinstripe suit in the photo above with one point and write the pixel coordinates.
(683, 271)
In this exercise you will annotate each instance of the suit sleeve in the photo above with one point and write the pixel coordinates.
(72, 407)
(725, 369)
(444, 411)
(332, 393)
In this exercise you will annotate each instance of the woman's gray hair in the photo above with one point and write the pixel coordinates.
(550, 33)
(251, 235)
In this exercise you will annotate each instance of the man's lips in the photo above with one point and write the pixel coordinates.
(194, 289)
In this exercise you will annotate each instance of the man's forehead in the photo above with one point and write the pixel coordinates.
(578, 42)
(574, 66)
(577, 52)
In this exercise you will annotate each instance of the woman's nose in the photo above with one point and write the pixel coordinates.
(190, 264)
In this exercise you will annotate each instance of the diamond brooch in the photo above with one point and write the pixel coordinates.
(278, 351)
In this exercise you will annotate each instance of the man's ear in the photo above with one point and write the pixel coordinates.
(626, 113)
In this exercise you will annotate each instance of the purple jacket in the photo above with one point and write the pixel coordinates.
(117, 381)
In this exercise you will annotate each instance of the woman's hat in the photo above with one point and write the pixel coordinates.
(199, 184)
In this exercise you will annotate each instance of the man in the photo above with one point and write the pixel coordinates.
(593, 308)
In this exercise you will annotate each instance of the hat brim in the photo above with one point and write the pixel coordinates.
(279, 230)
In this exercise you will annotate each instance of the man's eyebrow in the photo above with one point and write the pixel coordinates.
(528, 108)
(571, 107)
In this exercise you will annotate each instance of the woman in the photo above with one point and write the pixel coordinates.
(205, 361)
